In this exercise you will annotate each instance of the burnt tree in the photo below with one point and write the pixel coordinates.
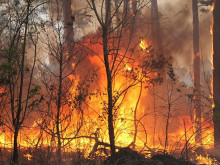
(216, 71)
(155, 25)
(196, 56)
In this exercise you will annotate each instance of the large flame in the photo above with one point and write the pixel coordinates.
(88, 127)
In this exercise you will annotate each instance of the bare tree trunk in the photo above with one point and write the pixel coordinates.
(16, 117)
(68, 27)
(197, 94)
(155, 115)
(110, 101)
(106, 27)
(15, 150)
(156, 33)
(216, 71)
(167, 127)
(155, 26)
(59, 154)
(135, 118)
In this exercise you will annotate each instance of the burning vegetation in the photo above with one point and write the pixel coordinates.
(104, 82)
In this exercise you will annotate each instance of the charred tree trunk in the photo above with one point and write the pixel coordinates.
(68, 27)
(15, 150)
(110, 101)
(106, 28)
(156, 33)
(155, 26)
(216, 71)
(59, 153)
(197, 94)
(167, 127)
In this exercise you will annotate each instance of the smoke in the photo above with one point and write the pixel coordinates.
(176, 32)
(177, 36)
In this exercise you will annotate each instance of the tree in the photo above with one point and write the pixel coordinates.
(197, 91)
(17, 70)
(59, 77)
(117, 54)
(155, 26)
(216, 74)
(68, 26)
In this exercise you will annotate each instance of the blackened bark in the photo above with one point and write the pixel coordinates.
(105, 29)
(109, 87)
(167, 127)
(59, 153)
(197, 94)
(216, 71)
(15, 150)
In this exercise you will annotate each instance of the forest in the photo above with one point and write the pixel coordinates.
(109, 82)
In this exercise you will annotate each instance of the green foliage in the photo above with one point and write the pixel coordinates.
(8, 67)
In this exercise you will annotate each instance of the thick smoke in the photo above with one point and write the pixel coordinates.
(176, 27)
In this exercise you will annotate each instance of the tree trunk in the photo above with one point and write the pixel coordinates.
(109, 87)
(16, 116)
(155, 26)
(106, 28)
(167, 128)
(216, 71)
(68, 27)
(135, 118)
(15, 150)
(156, 34)
(197, 94)
(59, 102)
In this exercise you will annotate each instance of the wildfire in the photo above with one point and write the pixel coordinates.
(143, 44)
(127, 68)
(28, 156)
(206, 160)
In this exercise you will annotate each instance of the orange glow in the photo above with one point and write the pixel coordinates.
(143, 44)
(127, 68)
(206, 160)
(28, 156)
(93, 114)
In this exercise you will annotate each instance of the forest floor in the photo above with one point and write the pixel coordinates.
(124, 156)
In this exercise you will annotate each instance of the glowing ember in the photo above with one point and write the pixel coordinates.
(127, 68)
(28, 156)
(206, 160)
(143, 44)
